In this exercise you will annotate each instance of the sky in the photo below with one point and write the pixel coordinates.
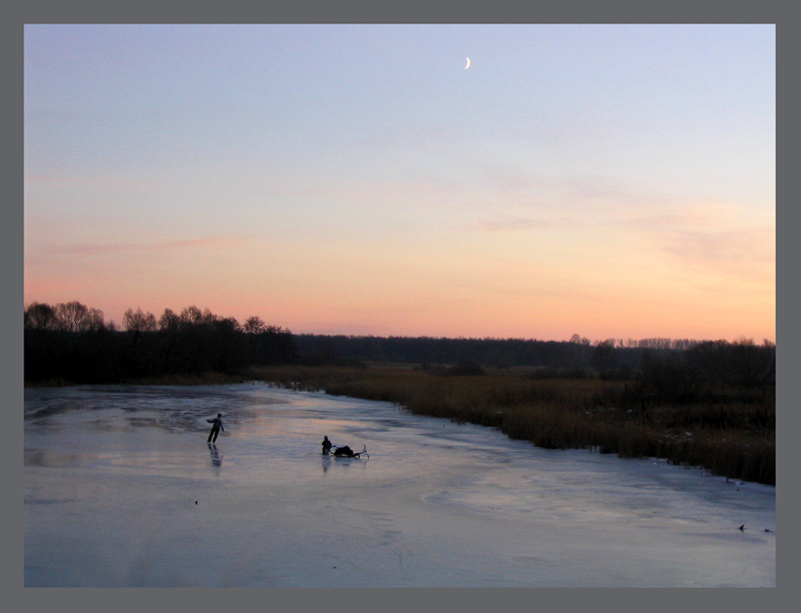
(611, 181)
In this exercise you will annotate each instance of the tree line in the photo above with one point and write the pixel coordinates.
(610, 358)
(662, 370)
(72, 342)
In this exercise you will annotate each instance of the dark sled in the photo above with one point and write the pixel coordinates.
(347, 452)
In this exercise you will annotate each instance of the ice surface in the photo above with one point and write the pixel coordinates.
(122, 490)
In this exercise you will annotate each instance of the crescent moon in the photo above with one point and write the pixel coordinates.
(468, 63)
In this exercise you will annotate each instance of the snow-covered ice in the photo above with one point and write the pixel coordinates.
(122, 490)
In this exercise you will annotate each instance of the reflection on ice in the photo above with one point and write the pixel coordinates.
(121, 489)
(216, 456)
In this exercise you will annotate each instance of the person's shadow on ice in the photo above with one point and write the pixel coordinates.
(216, 456)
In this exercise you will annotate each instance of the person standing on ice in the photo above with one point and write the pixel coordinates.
(216, 426)
(326, 446)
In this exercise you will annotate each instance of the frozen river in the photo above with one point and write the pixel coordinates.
(122, 490)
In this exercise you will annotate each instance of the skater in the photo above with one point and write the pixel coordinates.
(326, 446)
(216, 426)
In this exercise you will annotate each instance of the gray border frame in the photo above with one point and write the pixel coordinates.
(782, 13)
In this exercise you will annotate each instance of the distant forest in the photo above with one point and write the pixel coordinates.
(72, 342)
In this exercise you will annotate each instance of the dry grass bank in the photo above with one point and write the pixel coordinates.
(730, 436)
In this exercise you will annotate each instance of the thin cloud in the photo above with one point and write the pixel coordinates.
(207, 242)
(719, 236)
(419, 134)
(510, 225)
(32, 180)
(747, 251)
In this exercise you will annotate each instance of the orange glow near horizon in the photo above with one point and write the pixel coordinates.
(313, 289)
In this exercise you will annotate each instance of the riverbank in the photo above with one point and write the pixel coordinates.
(732, 436)
(729, 435)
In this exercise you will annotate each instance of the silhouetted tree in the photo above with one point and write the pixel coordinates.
(76, 317)
(169, 320)
(139, 321)
(604, 359)
(254, 325)
(40, 316)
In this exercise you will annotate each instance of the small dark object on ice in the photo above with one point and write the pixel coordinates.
(742, 528)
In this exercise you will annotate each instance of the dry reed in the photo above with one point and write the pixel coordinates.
(730, 437)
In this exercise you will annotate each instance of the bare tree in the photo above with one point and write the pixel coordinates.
(580, 340)
(139, 321)
(168, 320)
(254, 325)
(193, 316)
(40, 316)
(76, 317)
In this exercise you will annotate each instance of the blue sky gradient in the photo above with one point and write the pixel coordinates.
(616, 181)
